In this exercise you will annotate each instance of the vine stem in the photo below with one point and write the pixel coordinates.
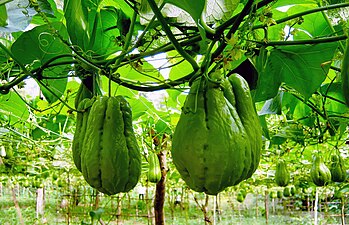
(220, 29)
(125, 48)
(171, 37)
(335, 6)
(331, 27)
(301, 42)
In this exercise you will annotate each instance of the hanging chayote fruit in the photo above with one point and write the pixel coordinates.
(218, 138)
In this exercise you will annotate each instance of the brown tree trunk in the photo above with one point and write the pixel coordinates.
(18, 209)
(160, 191)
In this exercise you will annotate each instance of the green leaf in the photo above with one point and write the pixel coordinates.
(181, 69)
(334, 104)
(314, 24)
(221, 10)
(272, 106)
(279, 139)
(267, 84)
(140, 107)
(140, 72)
(194, 8)
(304, 114)
(95, 30)
(13, 108)
(54, 125)
(3, 55)
(111, 24)
(37, 46)
(76, 16)
(3, 15)
(264, 125)
(292, 132)
(53, 89)
(119, 5)
(297, 66)
(53, 15)
(289, 102)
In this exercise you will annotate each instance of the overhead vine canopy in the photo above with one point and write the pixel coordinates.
(280, 47)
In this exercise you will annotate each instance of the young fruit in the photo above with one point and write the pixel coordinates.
(282, 176)
(319, 173)
(337, 169)
(154, 171)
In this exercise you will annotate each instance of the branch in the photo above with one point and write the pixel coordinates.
(171, 37)
(165, 85)
(301, 42)
(341, 5)
(220, 29)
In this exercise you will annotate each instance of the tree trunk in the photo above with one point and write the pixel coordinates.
(160, 191)
(18, 209)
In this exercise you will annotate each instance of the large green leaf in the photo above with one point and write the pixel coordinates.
(313, 24)
(334, 104)
(97, 31)
(36, 47)
(297, 66)
(304, 114)
(78, 14)
(300, 66)
(141, 106)
(53, 89)
(13, 108)
(194, 8)
(111, 26)
(39, 45)
(77, 22)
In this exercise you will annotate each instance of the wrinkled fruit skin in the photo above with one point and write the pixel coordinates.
(319, 173)
(218, 138)
(337, 169)
(110, 159)
(154, 171)
(282, 176)
(80, 130)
